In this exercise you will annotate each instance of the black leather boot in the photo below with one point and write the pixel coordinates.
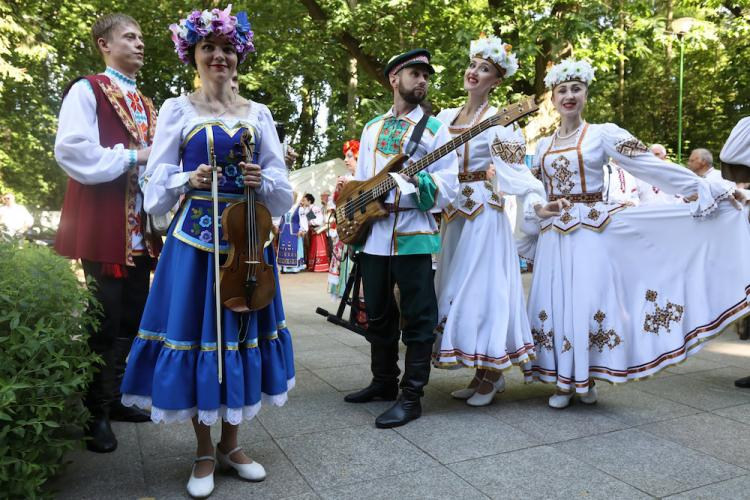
(117, 411)
(416, 375)
(99, 435)
(384, 385)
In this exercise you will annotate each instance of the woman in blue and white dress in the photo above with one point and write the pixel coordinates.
(481, 307)
(620, 292)
(291, 256)
(172, 367)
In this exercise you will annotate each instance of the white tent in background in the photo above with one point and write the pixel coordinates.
(317, 178)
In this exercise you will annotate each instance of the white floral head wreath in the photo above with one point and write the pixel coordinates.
(569, 70)
(498, 53)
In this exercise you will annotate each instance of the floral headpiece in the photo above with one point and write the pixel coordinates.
(569, 70)
(495, 51)
(353, 146)
(201, 24)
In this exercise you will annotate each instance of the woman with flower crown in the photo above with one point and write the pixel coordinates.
(341, 264)
(172, 367)
(619, 292)
(481, 309)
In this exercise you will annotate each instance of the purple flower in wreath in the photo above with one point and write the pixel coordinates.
(206, 236)
(201, 24)
(205, 221)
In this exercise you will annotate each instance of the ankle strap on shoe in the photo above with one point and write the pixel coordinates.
(231, 451)
(204, 458)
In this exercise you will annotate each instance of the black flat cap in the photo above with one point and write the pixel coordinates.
(412, 58)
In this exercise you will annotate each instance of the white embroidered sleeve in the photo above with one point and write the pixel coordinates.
(275, 191)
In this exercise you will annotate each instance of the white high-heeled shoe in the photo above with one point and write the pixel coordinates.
(590, 397)
(201, 487)
(560, 401)
(466, 392)
(479, 399)
(251, 472)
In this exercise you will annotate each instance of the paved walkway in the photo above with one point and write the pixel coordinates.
(685, 432)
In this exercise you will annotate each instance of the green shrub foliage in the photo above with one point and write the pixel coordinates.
(45, 364)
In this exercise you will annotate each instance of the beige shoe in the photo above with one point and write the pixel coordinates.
(560, 401)
(589, 398)
(479, 399)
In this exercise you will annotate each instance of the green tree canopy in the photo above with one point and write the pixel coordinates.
(318, 65)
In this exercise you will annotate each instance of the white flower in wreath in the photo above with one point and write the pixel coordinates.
(568, 70)
(206, 18)
(493, 49)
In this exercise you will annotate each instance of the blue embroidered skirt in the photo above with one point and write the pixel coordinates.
(172, 366)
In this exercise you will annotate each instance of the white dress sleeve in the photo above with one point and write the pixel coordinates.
(513, 177)
(164, 181)
(737, 148)
(77, 147)
(444, 172)
(632, 155)
(275, 191)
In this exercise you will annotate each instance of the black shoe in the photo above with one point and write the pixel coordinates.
(744, 383)
(120, 413)
(374, 391)
(99, 435)
(401, 413)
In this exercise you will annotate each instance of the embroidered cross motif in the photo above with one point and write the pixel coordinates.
(563, 175)
(631, 147)
(566, 217)
(661, 317)
(594, 214)
(467, 191)
(469, 203)
(542, 338)
(603, 338)
(509, 152)
(566, 344)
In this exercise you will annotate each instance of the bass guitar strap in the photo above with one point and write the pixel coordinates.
(416, 136)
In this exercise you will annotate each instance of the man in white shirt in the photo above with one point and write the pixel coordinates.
(701, 162)
(15, 219)
(398, 248)
(103, 142)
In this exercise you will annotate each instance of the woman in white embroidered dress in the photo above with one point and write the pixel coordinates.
(619, 293)
(481, 309)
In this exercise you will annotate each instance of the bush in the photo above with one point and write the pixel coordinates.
(45, 365)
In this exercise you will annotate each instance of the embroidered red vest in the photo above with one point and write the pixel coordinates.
(97, 220)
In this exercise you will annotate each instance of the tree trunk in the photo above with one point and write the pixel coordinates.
(369, 63)
(621, 83)
(351, 90)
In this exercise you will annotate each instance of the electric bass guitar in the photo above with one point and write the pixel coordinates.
(360, 203)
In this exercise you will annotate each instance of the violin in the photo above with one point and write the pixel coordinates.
(247, 282)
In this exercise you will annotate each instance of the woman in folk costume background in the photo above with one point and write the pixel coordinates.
(338, 272)
(292, 229)
(619, 293)
(173, 365)
(482, 312)
(317, 254)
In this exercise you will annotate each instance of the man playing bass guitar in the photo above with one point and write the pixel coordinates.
(397, 249)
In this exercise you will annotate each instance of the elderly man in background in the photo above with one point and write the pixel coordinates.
(701, 162)
(15, 219)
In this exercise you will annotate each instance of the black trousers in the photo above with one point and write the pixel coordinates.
(122, 301)
(413, 275)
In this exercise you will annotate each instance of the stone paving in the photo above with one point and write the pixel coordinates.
(682, 434)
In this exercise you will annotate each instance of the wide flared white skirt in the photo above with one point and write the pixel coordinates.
(639, 294)
(482, 319)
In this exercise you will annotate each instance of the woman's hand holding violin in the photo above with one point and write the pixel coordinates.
(252, 174)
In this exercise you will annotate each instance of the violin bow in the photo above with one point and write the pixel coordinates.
(217, 267)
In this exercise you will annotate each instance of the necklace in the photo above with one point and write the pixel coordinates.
(215, 112)
(474, 118)
(563, 137)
